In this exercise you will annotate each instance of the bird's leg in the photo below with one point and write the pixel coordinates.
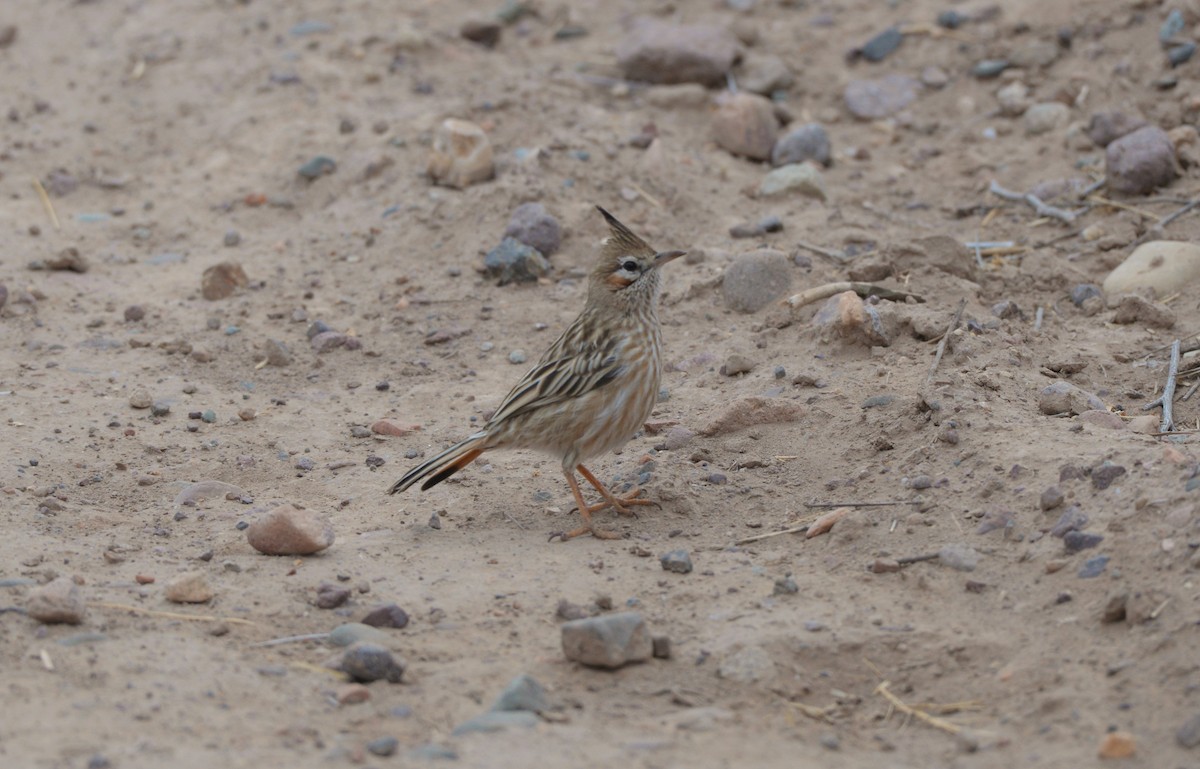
(620, 504)
(585, 512)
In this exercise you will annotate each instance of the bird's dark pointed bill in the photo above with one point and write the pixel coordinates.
(666, 256)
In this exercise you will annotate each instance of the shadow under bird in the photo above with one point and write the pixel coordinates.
(591, 390)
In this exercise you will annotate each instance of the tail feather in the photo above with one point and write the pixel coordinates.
(444, 465)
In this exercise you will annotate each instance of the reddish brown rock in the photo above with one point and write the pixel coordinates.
(221, 280)
(390, 427)
(288, 530)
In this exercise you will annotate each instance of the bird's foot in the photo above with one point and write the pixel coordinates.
(622, 504)
(596, 532)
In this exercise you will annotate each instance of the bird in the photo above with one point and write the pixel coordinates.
(590, 391)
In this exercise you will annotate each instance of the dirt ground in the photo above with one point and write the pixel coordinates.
(185, 121)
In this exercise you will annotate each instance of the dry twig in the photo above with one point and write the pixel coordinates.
(1039, 206)
(941, 348)
(917, 713)
(864, 290)
(1167, 399)
(768, 535)
(46, 203)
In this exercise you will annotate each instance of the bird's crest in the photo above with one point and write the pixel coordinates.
(622, 239)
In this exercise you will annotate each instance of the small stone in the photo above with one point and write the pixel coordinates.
(69, 260)
(513, 260)
(288, 530)
(830, 741)
(747, 665)
(661, 646)
(764, 73)
(1172, 26)
(989, 68)
(880, 98)
(934, 77)
(133, 313)
(765, 225)
(1114, 609)
(658, 51)
(785, 586)
(959, 557)
(140, 399)
(353, 632)
(435, 521)
(383, 746)
(678, 437)
(756, 279)
(737, 364)
(485, 33)
(951, 19)
(745, 125)
(882, 45)
(189, 587)
(1105, 475)
(1093, 567)
(1075, 541)
(160, 408)
(1134, 309)
(1105, 127)
(1140, 162)
(393, 428)
(1188, 735)
(352, 694)
(366, 662)
(1051, 498)
(608, 641)
(1146, 424)
(885, 566)
(1065, 398)
(1045, 117)
(802, 178)
(805, 142)
(221, 280)
(1117, 745)
(388, 615)
(317, 167)
(330, 596)
(522, 693)
(277, 353)
(678, 561)
(532, 225)
(516, 357)
(59, 601)
(461, 155)
(1014, 99)
(1181, 54)
(1081, 292)
(232, 238)
(1166, 266)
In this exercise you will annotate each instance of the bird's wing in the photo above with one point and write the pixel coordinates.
(568, 370)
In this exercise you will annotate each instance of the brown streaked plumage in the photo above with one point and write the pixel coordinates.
(592, 390)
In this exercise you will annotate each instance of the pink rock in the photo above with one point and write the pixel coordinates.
(389, 427)
(745, 124)
(287, 530)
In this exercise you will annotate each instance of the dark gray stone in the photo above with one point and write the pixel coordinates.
(1074, 541)
(989, 68)
(806, 142)
(677, 561)
(532, 225)
(1188, 735)
(383, 746)
(317, 167)
(522, 693)
(882, 45)
(366, 662)
(387, 615)
(1106, 474)
(513, 260)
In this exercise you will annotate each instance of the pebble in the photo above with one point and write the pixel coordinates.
(288, 530)
(58, 602)
(678, 561)
(330, 596)
(353, 632)
(352, 694)
(756, 279)
(483, 32)
(1188, 735)
(1172, 26)
(133, 313)
(327, 341)
(393, 428)
(785, 586)
(1081, 292)
(189, 587)
(803, 178)
(496, 721)
(513, 260)
(747, 412)
(1134, 309)
(1046, 117)
(609, 641)
(882, 45)
(461, 155)
(140, 399)
(677, 438)
(881, 97)
(737, 364)
(805, 142)
(319, 166)
(366, 662)
(1146, 424)
(1051, 498)
(657, 51)
(762, 227)
(959, 557)
(516, 357)
(1035, 54)
(1072, 519)
(661, 646)
(221, 280)
(1181, 54)
(1140, 162)
(533, 225)
(764, 73)
(951, 19)
(160, 408)
(387, 615)
(1013, 98)
(989, 68)
(744, 124)
(846, 316)
(232, 238)
(934, 77)
(69, 259)
(1103, 419)
(1093, 567)
(1117, 745)
(1075, 541)
(1107, 126)
(1106, 474)
(1163, 265)
(522, 693)
(1065, 398)
(383, 746)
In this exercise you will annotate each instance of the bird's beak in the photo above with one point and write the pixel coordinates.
(666, 256)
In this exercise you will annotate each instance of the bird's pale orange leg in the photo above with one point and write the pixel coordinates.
(620, 504)
(585, 512)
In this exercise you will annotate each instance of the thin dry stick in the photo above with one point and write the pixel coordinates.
(1191, 390)
(172, 614)
(1188, 208)
(906, 560)
(825, 252)
(1167, 399)
(1103, 201)
(861, 504)
(292, 639)
(812, 711)
(1037, 321)
(1087, 191)
(818, 293)
(1042, 208)
(768, 535)
(941, 348)
(46, 203)
(909, 710)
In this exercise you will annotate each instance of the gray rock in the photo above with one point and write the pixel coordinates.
(497, 720)
(366, 662)
(762, 227)
(59, 601)
(959, 557)
(678, 437)
(1181, 54)
(160, 408)
(353, 632)
(277, 353)
(1074, 541)
(532, 225)
(1081, 292)
(785, 586)
(1188, 735)
(880, 97)
(1065, 398)
(989, 68)
(1172, 27)
(1046, 117)
(327, 341)
(663, 52)
(1093, 567)
(756, 279)
(513, 260)
(1106, 126)
(806, 142)
(383, 746)
(1072, 519)
(330, 596)
(882, 45)
(1105, 475)
(1141, 161)
(517, 357)
(678, 561)
(1035, 54)
(522, 693)
(388, 615)
(803, 178)
(317, 167)
(608, 641)
(140, 399)
(745, 125)
(764, 73)
(1051, 498)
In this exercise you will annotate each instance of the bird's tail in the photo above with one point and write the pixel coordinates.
(444, 465)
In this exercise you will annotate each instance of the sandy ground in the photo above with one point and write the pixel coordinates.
(174, 116)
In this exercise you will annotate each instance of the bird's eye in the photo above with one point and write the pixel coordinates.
(629, 265)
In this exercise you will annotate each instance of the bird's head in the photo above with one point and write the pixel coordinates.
(628, 266)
